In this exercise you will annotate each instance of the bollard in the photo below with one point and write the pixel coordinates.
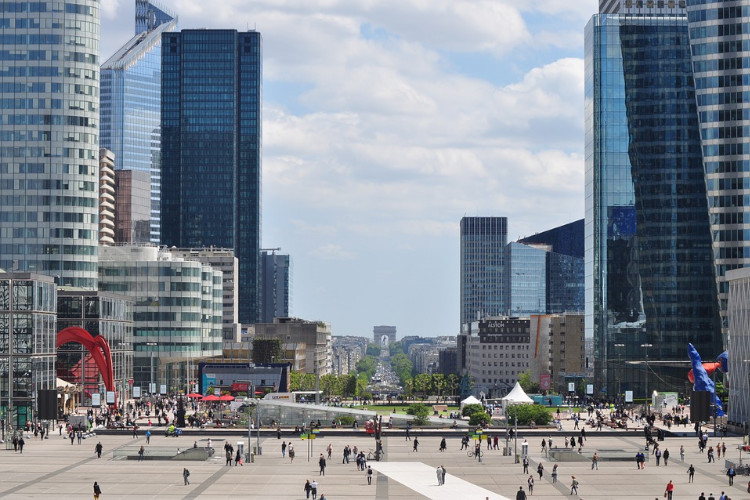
(252, 457)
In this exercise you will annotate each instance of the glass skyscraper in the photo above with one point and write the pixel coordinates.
(211, 148)
(131, 101)
(275, 295)
(721, 67)
(482, 242)
(49, 139)
(650, 286)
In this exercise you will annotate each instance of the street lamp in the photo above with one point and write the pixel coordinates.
(151, 386)
(619, 370)
(648, 403)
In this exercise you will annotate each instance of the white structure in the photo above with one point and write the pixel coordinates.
(738, 312)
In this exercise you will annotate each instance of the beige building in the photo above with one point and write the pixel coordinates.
(558, 349)
(106, 197)
(305, 344)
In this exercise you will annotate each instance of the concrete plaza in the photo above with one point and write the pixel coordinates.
(55, 469)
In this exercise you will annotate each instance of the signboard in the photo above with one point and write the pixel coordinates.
(589, 388)
(110, 397)
(96, 399)
(628, 396)
(217, 391)
(152, 388)
(163, 389)
(137, 391)
(571, 386)
(545, 382)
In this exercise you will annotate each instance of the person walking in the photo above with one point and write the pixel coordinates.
(98, 449)
(314, 489)
(520, 494)
(595, 461)
(540, 470)
(283, 449)
(185, 476)
(443, 467)
(148, 436)
(657, 454)
(330, 450)
(730, 474)
(574, 485)
(322, 464)
(141, 452)
(21, 443)
(682, 454)
(308, 489)
(691, 473)
(443, 445)
(416, 444)
(291, 454)
(666, 456)
(525, 465)
(97, 491)
(554, 474)
(369, 476)
(238, 458)
(439, 473)
(669, 490)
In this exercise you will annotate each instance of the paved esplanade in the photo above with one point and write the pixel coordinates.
(55, 469)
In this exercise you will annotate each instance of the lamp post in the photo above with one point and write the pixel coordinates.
(151, 386)
(619, 371)
(648, 403)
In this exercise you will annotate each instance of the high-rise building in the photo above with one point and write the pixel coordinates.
(131, 101)
(211, 148)
(720, 51)
(132, 206)
(275, 290)
(525, 277)
(106, 197)
(49, 140)
(650, 285)
(482, 268)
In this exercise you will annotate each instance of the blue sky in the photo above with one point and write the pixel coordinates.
(385, 122)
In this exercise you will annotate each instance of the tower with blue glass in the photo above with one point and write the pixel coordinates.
(211, 148)
(650, 286)
(131, 101)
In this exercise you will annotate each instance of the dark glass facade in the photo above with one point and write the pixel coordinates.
(275, 286)
(211, 148)
(649, 272)
(567, 239)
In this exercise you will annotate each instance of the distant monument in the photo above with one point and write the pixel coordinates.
(384, 341)
(378, 332)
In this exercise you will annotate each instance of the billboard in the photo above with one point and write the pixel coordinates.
(545, 382)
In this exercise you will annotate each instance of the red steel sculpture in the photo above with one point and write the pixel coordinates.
(97, 346)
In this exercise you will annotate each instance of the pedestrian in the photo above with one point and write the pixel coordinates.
(443, 445)
(21, 442)
(540, 470)
(97, 491)
(308, 489)
(322, 464)
(574, 485)
(79, 435)
(314, 489)
(657, 454)
(185, 476)
(238, 458)
(525, 465)
(443, 467)
(702, 496)
(520, 495)
(439, 473)
(98, 449)
(554, 474)
(416, 443)
(682, 454)
(544, 445)
(148, 436)
(330, 450)
(15, 443)
(140, 454)
(730, 474)
(291, 454)
(595, 461)
(669, 490)
(135, 431)
(711, 496)
(666, 456)
(691, 473)
(283, 449)
(369, 476)
(530, 481)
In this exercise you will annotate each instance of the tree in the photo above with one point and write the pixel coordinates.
(373, 349)
(479, 418)
(401, 366)
(266, 351)
(301, 381)
(528, 412)
(368, 364)
(420, 413)
(526, 383)
(470, 410)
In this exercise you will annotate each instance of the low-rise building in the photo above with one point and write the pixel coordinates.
(305, 344)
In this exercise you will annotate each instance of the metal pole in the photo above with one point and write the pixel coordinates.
(515, 434)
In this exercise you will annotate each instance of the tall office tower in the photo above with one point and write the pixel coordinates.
(106, 197)
(274, 286)
(211, 148)
(132, 206)
(49, 145)
(482, 242)
(525, 277)
(131, 101)
(649, 276)
(718, 39)
(634, 6)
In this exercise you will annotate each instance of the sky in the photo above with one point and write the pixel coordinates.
(387, 121)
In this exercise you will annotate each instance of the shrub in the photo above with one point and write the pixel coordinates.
(346, 420)
(420, 413)
(526, 413)
(479, 418)
(469, 410)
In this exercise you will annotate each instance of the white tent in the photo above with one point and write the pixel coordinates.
(471, 400)
(517, 396)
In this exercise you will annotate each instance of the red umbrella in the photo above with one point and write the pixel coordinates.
(195, 395)
(226, 397)
(211, 398)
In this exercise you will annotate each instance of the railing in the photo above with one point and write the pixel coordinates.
(163, 453)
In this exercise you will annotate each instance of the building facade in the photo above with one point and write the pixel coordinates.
(482, 268)
(131, 102)
(305, 344)
(378, 332)
(650, 285)
(106, 197)
(28, 332)
(132, 206)
(211, 148)
(275, 286)
(99, 313)
(177, 311)
(49, 140)
(558, 351)
(738, 349)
